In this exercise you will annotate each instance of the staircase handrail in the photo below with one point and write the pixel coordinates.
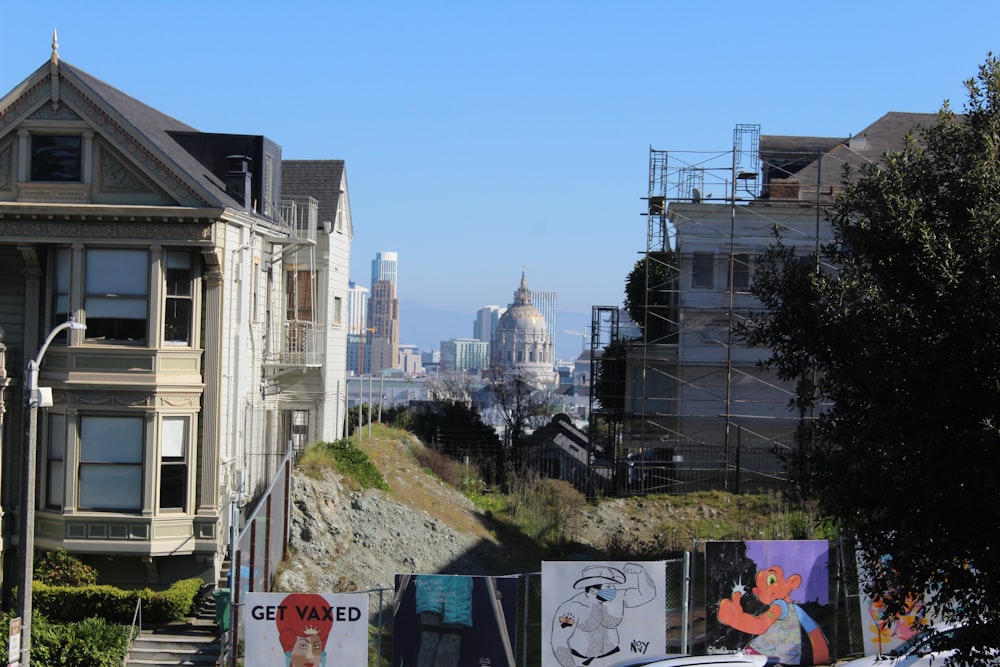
(133, 632)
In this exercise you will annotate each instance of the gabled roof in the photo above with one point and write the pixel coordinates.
(137, 130)
(886, 134)
(321, 179)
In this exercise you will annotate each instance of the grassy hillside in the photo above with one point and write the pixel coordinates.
(542, 518)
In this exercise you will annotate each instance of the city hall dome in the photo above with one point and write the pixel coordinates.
(522, 340)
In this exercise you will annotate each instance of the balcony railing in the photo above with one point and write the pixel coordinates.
(302, 344)
(301, 216)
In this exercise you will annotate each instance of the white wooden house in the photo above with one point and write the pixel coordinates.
(212, 282)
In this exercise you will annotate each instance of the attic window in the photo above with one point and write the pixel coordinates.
(56, 158)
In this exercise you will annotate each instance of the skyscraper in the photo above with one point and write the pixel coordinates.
(358, 358)
(384, 267)
(357, 307)
(486, 322)
(383, 313)
(545, 302)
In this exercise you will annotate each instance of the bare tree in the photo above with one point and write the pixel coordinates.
(520, 403)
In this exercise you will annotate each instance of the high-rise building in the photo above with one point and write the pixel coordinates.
(384, 267)
(357, 307)
(358, 340)
(383, 326)
(545, 302)
(486, 322)
(383, 313)
(464, 354)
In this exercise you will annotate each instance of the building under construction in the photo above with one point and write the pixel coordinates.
(695, 409)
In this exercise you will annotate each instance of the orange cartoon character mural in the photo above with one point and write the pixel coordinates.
(779, 629)
(303, 631)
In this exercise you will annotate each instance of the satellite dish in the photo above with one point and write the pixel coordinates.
(696, 195)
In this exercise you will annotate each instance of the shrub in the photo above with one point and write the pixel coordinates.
(93, 641)
(59, 568)
(352, 462)
(546, 509)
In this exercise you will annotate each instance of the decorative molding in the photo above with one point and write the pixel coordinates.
(132, 229)
(12, 114)
(116, 177)
(47, 113)
(130, 400)
(175, 401)
(6, 166)
(213, 277)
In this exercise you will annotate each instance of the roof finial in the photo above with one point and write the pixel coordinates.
(55, 48)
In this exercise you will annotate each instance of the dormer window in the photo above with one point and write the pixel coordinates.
(56, 158)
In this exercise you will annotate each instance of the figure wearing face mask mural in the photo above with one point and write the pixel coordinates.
(585, 627)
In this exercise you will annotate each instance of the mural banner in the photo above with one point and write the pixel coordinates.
(770, 598)
(442, 620)
(299, 629)
(599, 613)
(881, 631)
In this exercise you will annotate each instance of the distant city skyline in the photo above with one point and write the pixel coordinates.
(428, 327)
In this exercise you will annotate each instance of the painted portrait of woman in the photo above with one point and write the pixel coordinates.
(303, 630)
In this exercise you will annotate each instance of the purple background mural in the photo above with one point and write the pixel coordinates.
(770, 597)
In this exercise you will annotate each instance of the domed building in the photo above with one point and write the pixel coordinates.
(522, 340)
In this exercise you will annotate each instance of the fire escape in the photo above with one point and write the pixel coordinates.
(296, 341)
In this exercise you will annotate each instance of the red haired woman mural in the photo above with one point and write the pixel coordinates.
(303, 629)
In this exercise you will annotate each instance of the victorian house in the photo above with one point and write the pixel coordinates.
(206, 282)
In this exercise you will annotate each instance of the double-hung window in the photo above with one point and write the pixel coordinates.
(55, 464)
(116, 298)
(180, 300)
(739, 275)
(110, 469)
(173, 463)
(702, 270)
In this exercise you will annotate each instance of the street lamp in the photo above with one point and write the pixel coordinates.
(27, 519)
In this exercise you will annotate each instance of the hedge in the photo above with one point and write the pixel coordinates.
(75, 603)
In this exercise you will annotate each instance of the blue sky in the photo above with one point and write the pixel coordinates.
(481, 137)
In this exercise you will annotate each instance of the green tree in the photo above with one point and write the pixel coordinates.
(456, 429)
(891, 336)
(609, 383)
(649, 290)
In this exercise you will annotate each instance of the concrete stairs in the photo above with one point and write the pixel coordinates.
(191, 643)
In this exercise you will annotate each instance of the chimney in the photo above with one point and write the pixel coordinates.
(238, 179)
(784, 188)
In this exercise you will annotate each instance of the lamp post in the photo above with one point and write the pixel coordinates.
(27, 518)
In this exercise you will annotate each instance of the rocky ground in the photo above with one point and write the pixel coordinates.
(344, 540)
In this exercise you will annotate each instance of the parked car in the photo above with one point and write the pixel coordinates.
(724, 659)
(932, 646)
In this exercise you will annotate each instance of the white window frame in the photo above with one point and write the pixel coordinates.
(175, 452)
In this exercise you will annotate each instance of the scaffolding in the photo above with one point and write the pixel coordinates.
(698, 411)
